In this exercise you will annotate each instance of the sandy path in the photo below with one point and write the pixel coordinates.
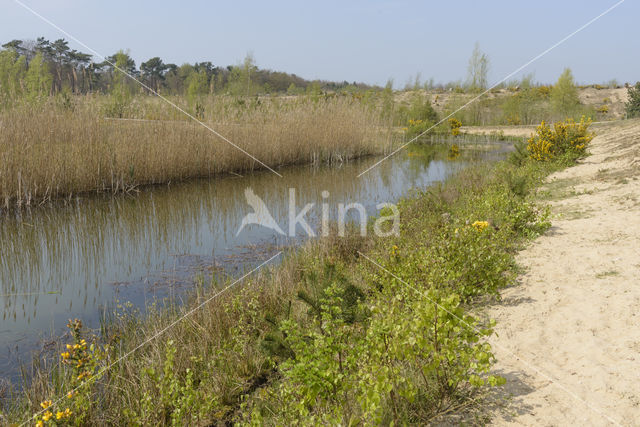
(575, 315)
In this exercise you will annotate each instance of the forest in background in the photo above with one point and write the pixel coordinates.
(43, 67)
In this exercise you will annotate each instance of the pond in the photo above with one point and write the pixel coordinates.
(80, 257)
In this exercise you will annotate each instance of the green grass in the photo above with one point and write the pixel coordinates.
(608, 273)
(327, 336)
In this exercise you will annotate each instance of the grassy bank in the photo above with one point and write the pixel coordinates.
(328, 336)
(70, 146)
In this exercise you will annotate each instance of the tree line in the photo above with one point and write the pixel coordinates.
(43, 67)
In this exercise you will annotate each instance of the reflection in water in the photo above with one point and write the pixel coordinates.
(74, 259)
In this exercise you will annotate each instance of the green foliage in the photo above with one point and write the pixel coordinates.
(519, 155)
(415, 345)
(64, 101)
(315, 284)
(525, 106)
(421, 347)
(417, 115)
(333, 339)
(632, 106)
(12, 71)
(293, 89)
(37, 79)
(82, 367)
(314, 90)
(241, 82)
(388, 104)
(197, 86)
(564, 95)
(417, 349)
(153, 70)
(121, 95)
(172, 397)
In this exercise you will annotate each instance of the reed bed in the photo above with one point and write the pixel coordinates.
(52, 151)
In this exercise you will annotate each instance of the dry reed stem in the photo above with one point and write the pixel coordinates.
(46, 152)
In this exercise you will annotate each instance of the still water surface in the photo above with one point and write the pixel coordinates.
(75, 259)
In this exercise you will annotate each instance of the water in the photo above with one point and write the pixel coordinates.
(75, 259)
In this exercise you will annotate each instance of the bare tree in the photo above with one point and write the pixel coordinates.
(478, 69)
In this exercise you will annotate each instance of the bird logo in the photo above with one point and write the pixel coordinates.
(260, 214)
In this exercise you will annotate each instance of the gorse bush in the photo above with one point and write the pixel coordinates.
(417, 127)
(454, 152)
(455, 125)
(566, 138)
(81, 364)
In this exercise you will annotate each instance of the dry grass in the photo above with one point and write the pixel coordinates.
(49, 152)
(224, 340)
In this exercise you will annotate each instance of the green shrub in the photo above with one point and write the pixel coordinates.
(632, 107)
(418, 108)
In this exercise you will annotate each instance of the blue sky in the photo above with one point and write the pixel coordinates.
(367, 41)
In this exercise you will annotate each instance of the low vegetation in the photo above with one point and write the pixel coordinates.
(351, 330)
(524, 102)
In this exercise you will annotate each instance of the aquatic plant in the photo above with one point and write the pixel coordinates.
(47, 152)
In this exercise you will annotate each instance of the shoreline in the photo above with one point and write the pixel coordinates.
(245, 337)
(481, 218)
(572, 313)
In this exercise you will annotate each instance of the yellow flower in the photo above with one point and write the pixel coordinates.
(59, 415)
(70, 395)
(47, 416)
(67, 413)
(480, 225)
(65, 355)
(45, 404)
(39, 423)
